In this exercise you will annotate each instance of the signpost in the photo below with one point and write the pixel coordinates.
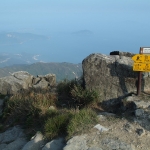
(141, 63)
(140, 58)
(141, 67)
(145, 50)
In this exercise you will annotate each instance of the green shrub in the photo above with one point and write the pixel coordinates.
(84, 97)
(81, 122)
(19, 110)
(56, 125)
(64, 87)
(28, 108)
(75, 93)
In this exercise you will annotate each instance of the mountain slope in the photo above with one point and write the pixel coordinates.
(62, 70)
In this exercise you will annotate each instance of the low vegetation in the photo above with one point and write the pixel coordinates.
(68, 111)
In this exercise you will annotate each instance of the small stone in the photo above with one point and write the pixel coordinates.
(140, 132)
(100, 128)
(101, 117)
(128, 127)
(52, 108)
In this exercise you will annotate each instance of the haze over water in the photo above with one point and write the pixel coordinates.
(74, 29)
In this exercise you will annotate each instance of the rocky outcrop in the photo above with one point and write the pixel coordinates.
(23, 80)
(36, 143)
(112, 76)
(13, 139)
(56, 144)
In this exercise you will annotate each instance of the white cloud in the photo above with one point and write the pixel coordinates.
(18, 54)
(35, 57)
(4, 60)
(9, 35)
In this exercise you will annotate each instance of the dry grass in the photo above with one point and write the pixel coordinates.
(30, 108)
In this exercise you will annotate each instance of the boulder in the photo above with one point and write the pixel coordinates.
(36, 143)
(15, 145)
(111, 75)
(56, 144)
(44, 81)
(18, 80)
(51, 78)
(76, 143)
(42, 84)
(11, 135)
(23, 80)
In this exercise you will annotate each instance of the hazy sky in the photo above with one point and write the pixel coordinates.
(115, 24)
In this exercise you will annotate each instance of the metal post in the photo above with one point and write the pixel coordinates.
(139, 83)
(139, 77)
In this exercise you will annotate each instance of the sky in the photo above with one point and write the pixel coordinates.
(110, 25)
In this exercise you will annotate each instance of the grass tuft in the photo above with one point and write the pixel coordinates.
(81, 122)
(56, 125)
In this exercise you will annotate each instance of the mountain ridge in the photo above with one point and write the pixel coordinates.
(62, 70)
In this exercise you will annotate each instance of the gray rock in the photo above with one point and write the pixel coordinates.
(36, 80)
(23, 80)
(112, 144)
(2, 146)
(76, 143)
(11, 135)
(142, 104)
(101, 128)
(51, 78)
(138, 102)
(15, 82)
(44, 81)
(112, 76)
(16, 145)
(139, 112)
(36, 142)
(56, 144)
(94, 148)
(1, 106)
(140, 132)
(52, 108)
(41, 84)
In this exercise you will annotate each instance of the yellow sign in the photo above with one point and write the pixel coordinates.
(138, 58)
(141, 67)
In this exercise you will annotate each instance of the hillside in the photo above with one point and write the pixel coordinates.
(62, 70)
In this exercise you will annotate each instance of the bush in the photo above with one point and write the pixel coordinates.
(19, 110)
(27, 108)
(69, 123)
(81, 122)
(64, 87)
(56, 125)
(75, 93)
(84, 97)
